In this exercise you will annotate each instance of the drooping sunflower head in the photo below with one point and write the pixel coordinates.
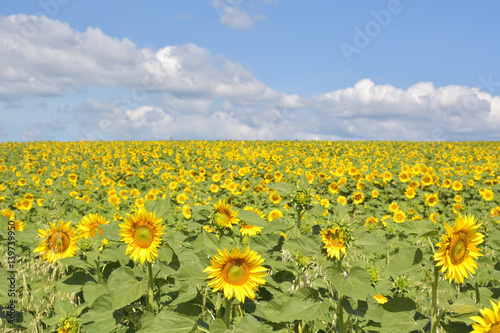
(458, 249)
(224, 216)
(238, 273)
(334, 241)
(490, 320)
(89, 225)
(57, 242)
(142, 232)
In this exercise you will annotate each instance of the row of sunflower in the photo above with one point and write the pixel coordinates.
(305, 236)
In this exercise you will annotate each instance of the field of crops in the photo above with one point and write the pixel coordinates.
(250, 236)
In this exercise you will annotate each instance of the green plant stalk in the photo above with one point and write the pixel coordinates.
(217, 306)
(340, 314)
(98, 270)
(151, 287)
(477, 292)
(227, 317)
(434, 318)
(299, 218)
(340, 310)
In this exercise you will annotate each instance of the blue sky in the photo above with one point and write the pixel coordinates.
(249, 69)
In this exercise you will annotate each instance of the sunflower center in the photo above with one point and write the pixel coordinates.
(236, 272)
(58, 242)
(495, 328)
(143, 236)
(458, 248)
(334, 239)
(223, 219)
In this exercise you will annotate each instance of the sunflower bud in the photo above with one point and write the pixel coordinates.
(85, 244)
(402, 284)
(302, 198)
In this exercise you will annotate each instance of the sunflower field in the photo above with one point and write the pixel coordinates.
(250, 236)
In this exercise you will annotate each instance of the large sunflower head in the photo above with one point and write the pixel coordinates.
(458, 249)
(89, 225)
(224, 216)
(142, 232)
(490, 320)
(334, 241)
(58, 242)
(238, 273)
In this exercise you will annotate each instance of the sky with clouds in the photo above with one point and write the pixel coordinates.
(249, 70)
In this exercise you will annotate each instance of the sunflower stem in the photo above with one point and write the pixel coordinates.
(434, 318)
(477, 292)
(340, 314)
(217, 306)
(98, 270)
(340, 310)
(151, 287)
(299, 218)
(227, 317)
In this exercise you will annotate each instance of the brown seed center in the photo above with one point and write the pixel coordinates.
(458, 248)
(58, 242)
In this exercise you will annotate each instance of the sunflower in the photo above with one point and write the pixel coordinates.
(275, 198)
(19, 225)
(427, 180)
(399, 216)
(457, 186)
(334, 188)
(431, 200)
(89, 225)
(381, 299)
(487, 195)
(458, 248)
(371, 219)
(490, 320)
(275, 213)
(394, 207)
(358, 198)
(224, 215)
(342, 200)
(238, 273)
(251, 230)
(334, 240)
(142, 232)
(186, 212)
(58, 242)
(8, 214)
(495, 212)
(410, 193)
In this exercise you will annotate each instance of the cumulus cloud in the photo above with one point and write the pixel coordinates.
(199, 95)
(57, 59)
(236, 18)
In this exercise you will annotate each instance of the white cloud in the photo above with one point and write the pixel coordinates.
(236, 18)
(199, 95)
(58, 59)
